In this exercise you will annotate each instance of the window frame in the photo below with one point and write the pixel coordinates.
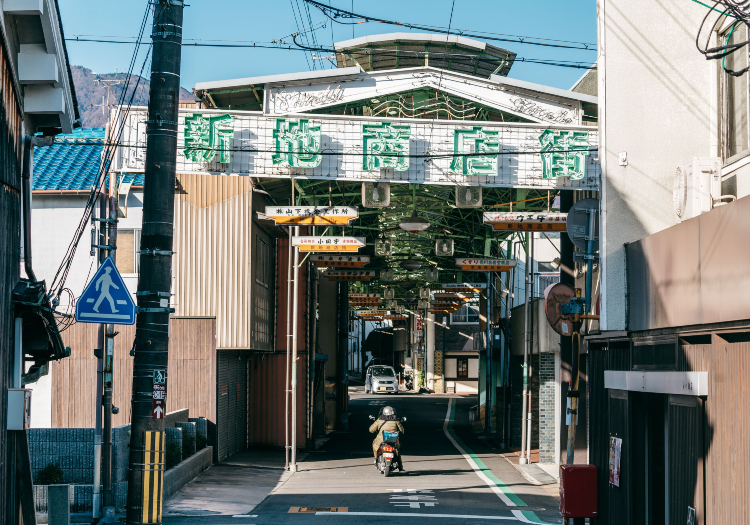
(459, 362)
(136, 250)
(474, 303)
(724, 78)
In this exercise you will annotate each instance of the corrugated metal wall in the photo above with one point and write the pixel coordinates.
(191, 373)
(232, 405)
(213, 249)
(709, 439)
(266, 407)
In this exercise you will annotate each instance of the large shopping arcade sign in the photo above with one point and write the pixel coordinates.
(367, 149)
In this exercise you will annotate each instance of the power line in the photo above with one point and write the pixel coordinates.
(341, 13)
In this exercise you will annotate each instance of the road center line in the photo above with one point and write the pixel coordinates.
(485, 474)
(421, 515)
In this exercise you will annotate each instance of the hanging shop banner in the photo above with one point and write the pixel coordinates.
(464, 287)
(328, 244)
(350, 275)
(357, 149)
(536, 221)
(312, 215)
(485, 265)
(418, 324)
(454, 297)
(369, 298)
(372, 313)
(341, 261)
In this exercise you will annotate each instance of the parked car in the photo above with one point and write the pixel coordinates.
(381, 379)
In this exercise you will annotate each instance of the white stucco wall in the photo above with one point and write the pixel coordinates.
(655, 104)
(54, 220)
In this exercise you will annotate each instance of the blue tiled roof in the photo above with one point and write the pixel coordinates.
(73, 162)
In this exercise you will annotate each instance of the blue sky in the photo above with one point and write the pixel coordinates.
(264, 20)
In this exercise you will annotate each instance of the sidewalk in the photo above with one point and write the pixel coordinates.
(536, 473)
(233, 487)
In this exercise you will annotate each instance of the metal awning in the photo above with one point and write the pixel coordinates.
(681, 383)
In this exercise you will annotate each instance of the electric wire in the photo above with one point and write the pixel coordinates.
(341, 13)
(721, 10)
(57, 284)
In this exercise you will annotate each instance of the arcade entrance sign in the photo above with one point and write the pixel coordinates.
(356, 149)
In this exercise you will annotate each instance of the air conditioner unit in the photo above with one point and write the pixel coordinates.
(431, 274)
(468, 196)
(383, 248)
(444, 247)
(376, 194)
(387, 275)
(697, 186)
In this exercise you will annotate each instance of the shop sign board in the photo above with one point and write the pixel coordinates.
(485, 265)
(357, 149)
(350, 275)
(536, 221)
(340, 261)
(328, 244)
(464, 287)
(312, 215)
(370, 298)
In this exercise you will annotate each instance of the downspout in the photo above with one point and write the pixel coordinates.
(602, 118)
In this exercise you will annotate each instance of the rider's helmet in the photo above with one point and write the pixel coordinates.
(388, 411)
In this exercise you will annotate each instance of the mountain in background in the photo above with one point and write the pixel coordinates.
(90, 92)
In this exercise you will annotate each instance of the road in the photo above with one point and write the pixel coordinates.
(450, 478)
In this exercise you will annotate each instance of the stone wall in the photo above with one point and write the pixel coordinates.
(547, 408)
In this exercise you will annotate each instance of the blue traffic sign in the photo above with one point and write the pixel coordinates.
(106, 299)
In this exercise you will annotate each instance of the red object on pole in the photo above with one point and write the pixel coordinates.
(578, 491)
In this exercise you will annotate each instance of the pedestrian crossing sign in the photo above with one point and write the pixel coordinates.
(106, 299)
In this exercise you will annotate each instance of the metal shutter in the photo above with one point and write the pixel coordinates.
(232, 403)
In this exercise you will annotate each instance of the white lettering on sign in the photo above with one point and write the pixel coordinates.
(289, 100)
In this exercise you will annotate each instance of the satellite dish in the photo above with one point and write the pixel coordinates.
(555, 296)
(578, 223)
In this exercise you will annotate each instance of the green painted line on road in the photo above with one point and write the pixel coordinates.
(526, 516)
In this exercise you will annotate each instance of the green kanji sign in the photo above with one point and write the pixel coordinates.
(564, 153)
(297, 143)
(475, 140)
(385, 145)
(204, 136)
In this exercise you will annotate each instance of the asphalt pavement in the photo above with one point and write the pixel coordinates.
(451, 476)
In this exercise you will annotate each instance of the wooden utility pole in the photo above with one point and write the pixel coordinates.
(148, 404)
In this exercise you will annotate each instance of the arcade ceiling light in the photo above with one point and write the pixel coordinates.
(414, 224)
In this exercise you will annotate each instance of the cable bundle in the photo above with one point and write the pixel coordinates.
(712, 22)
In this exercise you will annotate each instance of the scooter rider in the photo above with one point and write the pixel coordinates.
(388, 422)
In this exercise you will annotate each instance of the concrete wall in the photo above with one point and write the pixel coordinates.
(655, 104)
(54, 220)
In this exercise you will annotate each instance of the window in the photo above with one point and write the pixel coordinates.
(262, 262)
(735, 94)
(462, 368)
(128, 245)
(467, 314)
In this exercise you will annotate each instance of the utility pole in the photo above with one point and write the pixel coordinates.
(99, 239)
(295, 336)
(526, 351)
(146, 474)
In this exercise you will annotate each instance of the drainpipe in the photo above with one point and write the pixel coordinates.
(26, 172)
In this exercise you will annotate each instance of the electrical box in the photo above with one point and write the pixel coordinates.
(578, 492)
(19, 408)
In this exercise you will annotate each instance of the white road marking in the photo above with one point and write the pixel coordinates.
(419, 514)
(470, 461)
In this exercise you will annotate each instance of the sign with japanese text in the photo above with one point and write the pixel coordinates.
(328, 244)
(485, 265)
(368, 298)
(464, 287)
(312, 215)
(341, 261)
(159, 394)
(536, 221)
(555, 155)
(350, 275)
(372, 313)
(451, 297)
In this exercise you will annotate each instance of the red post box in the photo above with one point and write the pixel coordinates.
(578, 495)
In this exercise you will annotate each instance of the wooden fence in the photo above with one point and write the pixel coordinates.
(191, 373)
